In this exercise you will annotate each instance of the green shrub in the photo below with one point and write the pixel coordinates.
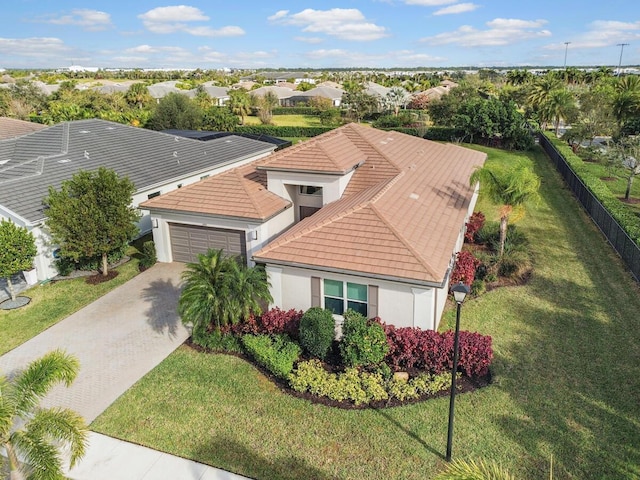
(64, 266)
(362, 343)
(276, 353)
(478, 287)
(420, 385)
(514, 263)
(216, 341)
(352, 385)
(282, 131)
(317, 331)
(148, 258)
(295, 111)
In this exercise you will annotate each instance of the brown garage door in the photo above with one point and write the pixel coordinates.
(187, 241)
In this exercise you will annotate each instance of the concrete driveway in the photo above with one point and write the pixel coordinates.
(118, 339)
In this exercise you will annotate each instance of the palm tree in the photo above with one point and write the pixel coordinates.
(626, 100)
(539, 96)
(220, 291)
(138, 95)
(240, 103)
(33, 449)
(561, 105)
(509, 186)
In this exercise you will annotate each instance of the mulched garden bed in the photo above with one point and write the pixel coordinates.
(463, 384)
(100, 278)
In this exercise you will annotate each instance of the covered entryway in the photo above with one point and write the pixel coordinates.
(187, 241)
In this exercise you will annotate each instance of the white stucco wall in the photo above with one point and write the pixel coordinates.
(333, 186)
(399, 304)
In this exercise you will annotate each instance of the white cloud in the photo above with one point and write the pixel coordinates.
(343, 23)
(501, 31)
(457, 8)
(429, 3)
(174, 19)
(602, 33)
(33, 47)
(309, 39)
(92, 20)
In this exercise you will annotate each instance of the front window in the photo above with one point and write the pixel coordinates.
(339, 296)
(310, 190)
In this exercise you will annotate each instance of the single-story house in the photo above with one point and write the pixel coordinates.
(155, 162)
(354, 218)
(333, 94)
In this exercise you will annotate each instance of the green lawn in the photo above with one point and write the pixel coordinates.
(55, 301)
(617, 184)
(288, 120)
(566, 381)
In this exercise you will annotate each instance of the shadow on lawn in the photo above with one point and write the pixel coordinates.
(162, 296)
(410, 433)
(578, 355)
(236, 458)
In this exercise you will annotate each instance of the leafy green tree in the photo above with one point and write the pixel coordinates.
(92, 215)
(265, 105)
(508, 186)
(138, 96)
(219, 119)
(219, 291)
(444, 110)
(239, 103)
(304, 86)
(626, 155)
(359, 104)
(176, 110)
(17, 249)
(33, 448)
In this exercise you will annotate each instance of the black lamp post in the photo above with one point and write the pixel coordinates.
(460, 291)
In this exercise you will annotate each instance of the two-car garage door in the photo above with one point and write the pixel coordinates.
(187, 241)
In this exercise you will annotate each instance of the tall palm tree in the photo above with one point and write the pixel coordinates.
(626, 99)
(561, 105)
(509, 186)
(539, 96)
(33, 449)
(239, 103)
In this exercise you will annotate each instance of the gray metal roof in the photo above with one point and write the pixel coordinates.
(33, 162)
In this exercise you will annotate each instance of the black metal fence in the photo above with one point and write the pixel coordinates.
(619, 239)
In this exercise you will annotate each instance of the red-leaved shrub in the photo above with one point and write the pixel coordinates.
(433, 352)
(464, 269)
(274, 321)
(475, 223)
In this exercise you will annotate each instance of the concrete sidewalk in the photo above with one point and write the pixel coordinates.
(111, 459)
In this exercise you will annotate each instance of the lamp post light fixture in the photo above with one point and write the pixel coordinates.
(566, 47)
(460, 292)
(621, 45)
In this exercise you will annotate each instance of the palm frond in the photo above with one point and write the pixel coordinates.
(40, 460)
(39, 377)
(61, 425)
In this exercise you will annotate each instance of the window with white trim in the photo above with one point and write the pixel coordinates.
(339, 296)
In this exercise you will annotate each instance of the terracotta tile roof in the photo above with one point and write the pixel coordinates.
(11, 127)
(332, 152)
(405, 226)
(240, 192)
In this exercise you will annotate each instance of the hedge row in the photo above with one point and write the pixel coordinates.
(276, 353)
(629, 222)
(433, 352)
(296, 111)
(284, 131)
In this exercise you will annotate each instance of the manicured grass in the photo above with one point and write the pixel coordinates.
(618, 185)
(288, 120)
(55, 301)
(566, 382)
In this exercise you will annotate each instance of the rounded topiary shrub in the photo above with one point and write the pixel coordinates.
(363, 343)
(317, 331)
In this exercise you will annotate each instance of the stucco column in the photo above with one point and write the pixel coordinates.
(423, 308)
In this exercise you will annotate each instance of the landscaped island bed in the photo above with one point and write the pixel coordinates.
(565, 380)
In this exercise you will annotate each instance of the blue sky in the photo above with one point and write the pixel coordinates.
(314, 34)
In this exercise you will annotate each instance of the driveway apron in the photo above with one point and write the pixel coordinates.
(118, 339)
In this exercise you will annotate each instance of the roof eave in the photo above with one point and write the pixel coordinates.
(389, 278)
(161, 210)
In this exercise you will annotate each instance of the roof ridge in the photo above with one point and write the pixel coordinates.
(404, 241)
(242, 179)
(377, 150)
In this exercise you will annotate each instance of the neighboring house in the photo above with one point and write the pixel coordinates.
(354, 218)
(155, 162)
(162, 89)
(333, 94)
(282, 93)
(11, 127)
(285, 77)
(219, 94)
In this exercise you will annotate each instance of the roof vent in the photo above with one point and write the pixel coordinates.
(175, 154)
(83, 131)
(176, 139)
(64, 160)
(86, 155)
(227, 141)
(111, 128)
(414, 196)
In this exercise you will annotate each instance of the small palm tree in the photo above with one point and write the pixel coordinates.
(220, 291)
(509, 186)
(33, 448)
